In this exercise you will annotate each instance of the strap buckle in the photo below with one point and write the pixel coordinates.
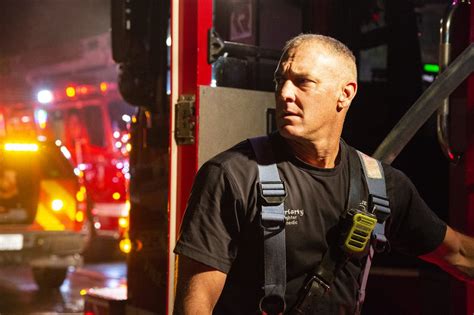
(272, 193)
(320, 282)
(314, 288)
(380, 207)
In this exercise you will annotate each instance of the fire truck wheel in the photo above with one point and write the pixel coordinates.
(49, 278)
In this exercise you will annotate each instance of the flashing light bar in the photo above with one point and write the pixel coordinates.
(72, 91)
(45, 96)
(21, 147)
(431, 68)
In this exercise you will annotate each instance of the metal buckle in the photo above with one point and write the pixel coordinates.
(272, 193)
(380, 207)
(321, 282)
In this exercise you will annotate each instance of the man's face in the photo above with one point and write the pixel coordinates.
(307, 91)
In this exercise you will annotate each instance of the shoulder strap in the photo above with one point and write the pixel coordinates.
(272, 195)
(379, 206)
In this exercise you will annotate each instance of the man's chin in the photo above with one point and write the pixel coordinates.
(289, 133)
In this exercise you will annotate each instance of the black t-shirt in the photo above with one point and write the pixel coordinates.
(221, 224)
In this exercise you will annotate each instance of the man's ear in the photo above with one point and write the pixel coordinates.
(347, 94)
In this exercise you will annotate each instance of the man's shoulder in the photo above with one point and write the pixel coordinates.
(392, 174)
(239, 154)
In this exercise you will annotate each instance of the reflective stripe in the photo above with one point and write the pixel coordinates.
(58, 191)
(47, 219)
(115, 210)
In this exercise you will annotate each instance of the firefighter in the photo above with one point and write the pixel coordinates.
(222, 264)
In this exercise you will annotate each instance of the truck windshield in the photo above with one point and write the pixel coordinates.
(79, 126)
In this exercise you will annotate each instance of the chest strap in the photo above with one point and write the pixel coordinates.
(272, 195)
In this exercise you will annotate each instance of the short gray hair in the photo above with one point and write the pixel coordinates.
(328, 42)
(332, 46)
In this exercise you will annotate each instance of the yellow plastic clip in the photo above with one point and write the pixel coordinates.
(361, 230)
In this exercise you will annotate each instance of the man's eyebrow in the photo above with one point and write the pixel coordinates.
(291, 73)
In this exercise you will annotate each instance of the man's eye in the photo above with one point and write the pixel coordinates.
(303, 81)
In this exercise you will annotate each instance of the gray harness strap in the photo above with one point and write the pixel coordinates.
(378, 205)
(272, 196)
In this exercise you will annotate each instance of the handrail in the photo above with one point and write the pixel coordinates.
(218, 47)
(444, 59)
(425, 106)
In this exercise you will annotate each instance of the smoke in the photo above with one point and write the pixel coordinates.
(31, 24)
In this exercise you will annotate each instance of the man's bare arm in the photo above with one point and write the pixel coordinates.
(455, 255)
(198, 289)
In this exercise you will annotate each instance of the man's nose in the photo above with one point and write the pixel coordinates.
(287, 91)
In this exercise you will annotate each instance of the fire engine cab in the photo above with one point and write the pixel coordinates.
(42, 200)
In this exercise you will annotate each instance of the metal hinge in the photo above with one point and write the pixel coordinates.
(185, 119)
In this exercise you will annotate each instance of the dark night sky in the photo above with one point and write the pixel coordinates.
(29, 24)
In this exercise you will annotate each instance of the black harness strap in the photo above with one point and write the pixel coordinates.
(272, 195)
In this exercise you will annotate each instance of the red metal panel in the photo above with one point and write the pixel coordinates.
(195, 21)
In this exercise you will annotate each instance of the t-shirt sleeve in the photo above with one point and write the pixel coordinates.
(413, 227)
(210, 227)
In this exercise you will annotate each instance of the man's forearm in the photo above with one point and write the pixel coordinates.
(455, 255)
(198, 289)
(190, 304)
(464, 262)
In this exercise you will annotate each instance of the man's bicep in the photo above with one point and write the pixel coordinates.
(448, 248)
(455, 255)
(210, 227)
(199, 287)
(413, 228)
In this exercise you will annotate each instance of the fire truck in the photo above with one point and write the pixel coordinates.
(220, 62)
(91, 121)
(42, 201)
(72, 89)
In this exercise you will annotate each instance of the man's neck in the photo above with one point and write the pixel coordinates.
(320, 153)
